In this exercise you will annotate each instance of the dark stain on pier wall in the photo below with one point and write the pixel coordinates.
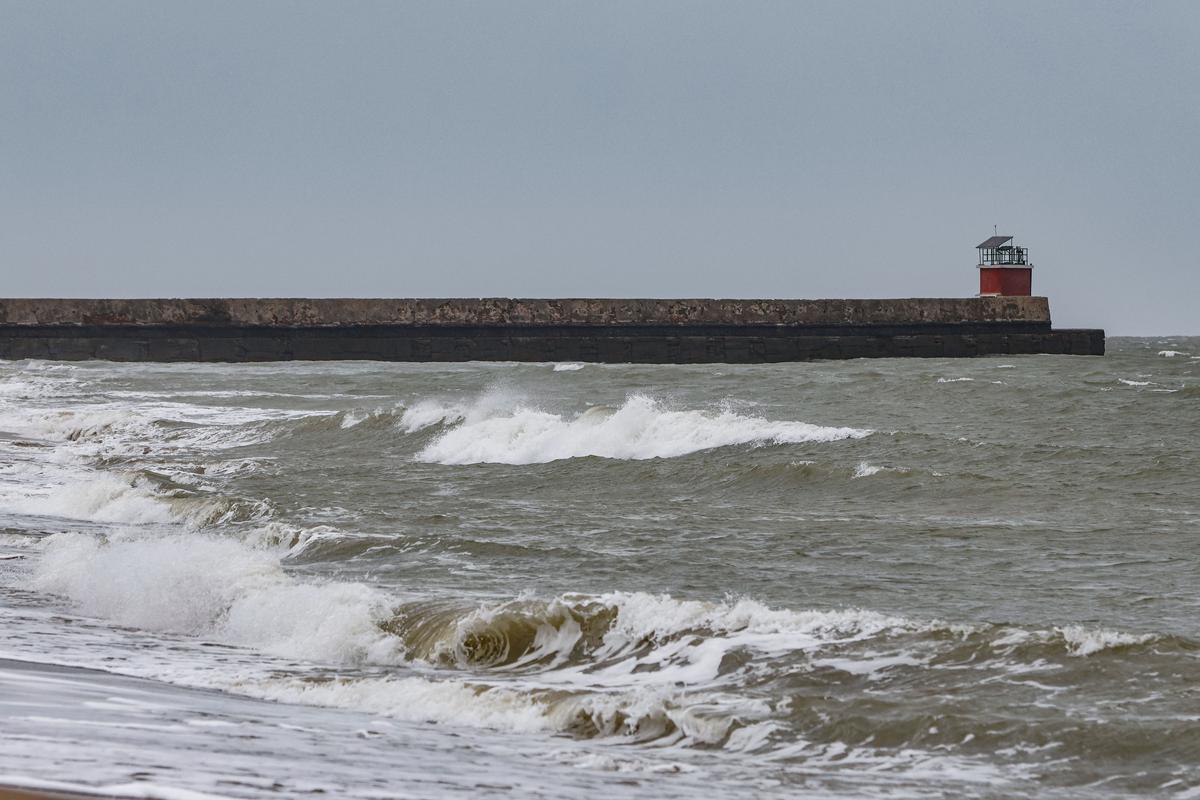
(640, 331)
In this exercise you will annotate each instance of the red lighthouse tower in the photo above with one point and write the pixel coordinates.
(1004, 268)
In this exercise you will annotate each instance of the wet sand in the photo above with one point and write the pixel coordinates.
(15, 793)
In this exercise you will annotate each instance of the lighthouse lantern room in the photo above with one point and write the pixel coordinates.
(1004, 268)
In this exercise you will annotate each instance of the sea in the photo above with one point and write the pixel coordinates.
(893, 578)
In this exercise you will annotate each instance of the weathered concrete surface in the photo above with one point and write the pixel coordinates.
(293, 312)
(640, 331)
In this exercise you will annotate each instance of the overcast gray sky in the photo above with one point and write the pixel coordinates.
(742, 149)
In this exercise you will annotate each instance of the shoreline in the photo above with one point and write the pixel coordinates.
(53, 790)
(17, 792)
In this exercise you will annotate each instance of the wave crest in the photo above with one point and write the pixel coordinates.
(629, 665)
(641, 428)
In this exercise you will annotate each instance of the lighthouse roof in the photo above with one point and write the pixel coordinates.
(994, 241)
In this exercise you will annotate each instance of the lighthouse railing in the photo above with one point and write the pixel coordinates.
(1009, 256)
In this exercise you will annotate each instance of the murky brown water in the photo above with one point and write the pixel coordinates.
(870, 578)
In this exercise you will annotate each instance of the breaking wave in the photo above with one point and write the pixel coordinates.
(641, 428)
(259, 597)
(207, 585)
(116, 429)
(133, 499)
(427, 413)
(103, 497)
(635, 666)
(211, 587)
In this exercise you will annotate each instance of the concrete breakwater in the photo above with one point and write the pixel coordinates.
(507, 329)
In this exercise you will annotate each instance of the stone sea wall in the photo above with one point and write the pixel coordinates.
(506, 329)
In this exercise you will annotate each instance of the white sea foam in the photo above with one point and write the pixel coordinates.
(955, 380)
(98, 428)
(1171, 353)
(352, 418)
(641, 714)
(865, 470)
(690, 639)
(427, 413)
(641, 616)
(1087, 641)
(122, 499)
(637, 694)
(1133, 383)
(659, 671)
(415, 699)
(205, 586)
(236, 393)
(90, 420)
(222, 590)
(568, 367)
(869, 666)
(28, 387)
(99, 497)
(641, 428)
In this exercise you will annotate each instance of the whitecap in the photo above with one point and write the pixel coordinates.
(415, 699)
(865, 470)
(101, 497)
(121, 428)
(353, 417)
(1082, 641)
(217, 588)
(869, 666)
(427, 413)
(641, 428)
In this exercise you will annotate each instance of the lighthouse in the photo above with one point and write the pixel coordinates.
(1004, 268)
